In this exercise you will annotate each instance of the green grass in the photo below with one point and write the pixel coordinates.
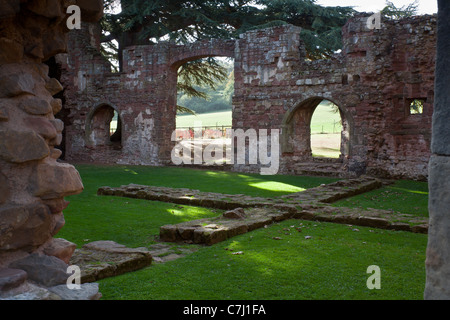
(131, 222)
(135, 222)
(403, 196)
(332, 264)
(325, 120)
(198, 179)
(222, 118)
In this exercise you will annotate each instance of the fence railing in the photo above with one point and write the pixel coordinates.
(208, 132)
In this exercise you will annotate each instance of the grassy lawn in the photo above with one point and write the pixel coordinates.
(332, 264)
(222, 118)
(325, 120)
(198, 179)
(402, 197)
(135, 222)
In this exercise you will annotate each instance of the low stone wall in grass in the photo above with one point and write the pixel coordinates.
(257, 212)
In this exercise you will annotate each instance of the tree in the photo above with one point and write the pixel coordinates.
(146, 22)
(183, 21)
(390, 11)
(321, 26)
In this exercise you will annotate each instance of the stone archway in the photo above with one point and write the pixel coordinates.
(296, 132)
(181, 55)
(98, 126)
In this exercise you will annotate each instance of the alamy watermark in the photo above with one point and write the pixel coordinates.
(74, 20)
(74, 280)
(374, 21)
(246, 147)
(374, 281)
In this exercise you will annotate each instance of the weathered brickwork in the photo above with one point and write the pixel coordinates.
(373, 80)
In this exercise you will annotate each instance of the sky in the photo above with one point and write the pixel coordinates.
(425, 6)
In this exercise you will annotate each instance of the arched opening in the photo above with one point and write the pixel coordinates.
(104, 126)
(315, 129)
(204, 116)
(326, 131)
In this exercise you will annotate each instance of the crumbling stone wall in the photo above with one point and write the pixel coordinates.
(373, 80)
(33, 184)
(144, 95)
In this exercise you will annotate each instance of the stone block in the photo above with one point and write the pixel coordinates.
(214, 236)
(25, 227)
(54, 86)
(43, 269)
(440, 143)
(61, 249)
(54, 180)
(22, 146)
(11, 278)
(373, 222)
(11, 51)
(92, 10)
(168, 233)
(438, 254)
(237, 213)
(4, 189)
(36, 106)
(87, 291)
(16, 84)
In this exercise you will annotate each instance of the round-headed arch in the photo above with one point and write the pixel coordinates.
(296, 130)
(202, 49)
(99, 128)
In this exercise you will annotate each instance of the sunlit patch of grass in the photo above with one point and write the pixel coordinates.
(403, 196)
(276, 186)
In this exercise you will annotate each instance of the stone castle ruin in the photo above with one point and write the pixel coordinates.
(374, 80)
(56, 89)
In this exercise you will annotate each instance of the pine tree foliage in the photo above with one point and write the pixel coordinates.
(390, 11)
(204, 72)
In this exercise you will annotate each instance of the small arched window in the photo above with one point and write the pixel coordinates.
(104, 126)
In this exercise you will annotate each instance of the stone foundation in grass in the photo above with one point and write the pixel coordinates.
(246, 213)
(102, 259)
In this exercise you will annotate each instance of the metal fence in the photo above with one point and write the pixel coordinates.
(207, 132)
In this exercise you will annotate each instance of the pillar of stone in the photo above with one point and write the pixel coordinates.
(438, 251)
(33, 183)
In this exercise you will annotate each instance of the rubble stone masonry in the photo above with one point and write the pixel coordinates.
(373, 80)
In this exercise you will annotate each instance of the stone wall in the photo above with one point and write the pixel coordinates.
(33, 183)
(373, 80)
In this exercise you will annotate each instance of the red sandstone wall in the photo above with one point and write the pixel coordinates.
(372, 80)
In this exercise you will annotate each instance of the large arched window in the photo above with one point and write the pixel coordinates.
(326, 128)
(316, 128)
(205, 113)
